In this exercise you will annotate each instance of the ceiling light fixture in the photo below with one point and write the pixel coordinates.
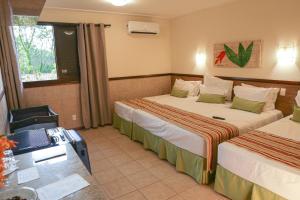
(119, 2)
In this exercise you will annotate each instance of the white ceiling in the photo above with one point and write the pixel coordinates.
(159, 8)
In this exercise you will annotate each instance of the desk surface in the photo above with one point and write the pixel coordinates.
(55, 169)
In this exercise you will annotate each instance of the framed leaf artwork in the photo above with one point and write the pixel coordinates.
(238, 54)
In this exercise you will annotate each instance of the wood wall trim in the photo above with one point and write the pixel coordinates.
(201, 76)
(58, 82)
(47, 83)
(139, 76)
(55, 82)
(244, 79)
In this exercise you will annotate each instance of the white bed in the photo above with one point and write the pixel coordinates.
(272, 175)
(245, 121)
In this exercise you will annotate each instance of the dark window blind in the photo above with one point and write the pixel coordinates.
(66, 52)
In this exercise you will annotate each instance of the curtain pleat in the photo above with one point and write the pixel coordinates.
(8, 61)
(94, 92)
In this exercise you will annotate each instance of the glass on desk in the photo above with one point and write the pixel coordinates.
(10, 164)
(9, 159)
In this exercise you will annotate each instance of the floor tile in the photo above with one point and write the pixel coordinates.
(120, 159)
(106, 145)
(132, 196)
(98, 140)
(101, 165)
(96, 156)
(201, 192)
(132, 146)
(163, 171)
(92, 148)
(177, 197)
(107, 176)
(118, 188)
(112, 151)
(121, 165)
(123, 140)
(131, 168)
(157, 191)
(150, 161)
(140, 153)
(142, 179)
(180, 182)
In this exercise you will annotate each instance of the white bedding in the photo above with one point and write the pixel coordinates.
(184, 139)
(272, 175)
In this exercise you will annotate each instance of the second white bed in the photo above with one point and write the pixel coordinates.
(270, 174)
(184, 139)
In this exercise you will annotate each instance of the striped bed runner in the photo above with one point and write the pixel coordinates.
(213, 131)
(278, 148)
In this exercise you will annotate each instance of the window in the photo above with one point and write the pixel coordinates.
(47, 52)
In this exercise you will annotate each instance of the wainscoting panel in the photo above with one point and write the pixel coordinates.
(65, 99)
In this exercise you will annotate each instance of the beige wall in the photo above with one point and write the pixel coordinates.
(127, 54)
(274, 22)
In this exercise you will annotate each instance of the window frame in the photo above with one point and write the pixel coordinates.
(59, 80)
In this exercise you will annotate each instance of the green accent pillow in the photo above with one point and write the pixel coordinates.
(247, 105)
(179, 93)
(296, 115)
(211, 98)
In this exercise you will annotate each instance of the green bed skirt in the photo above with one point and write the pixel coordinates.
(185, 161)
(237, 188)
(124, 126)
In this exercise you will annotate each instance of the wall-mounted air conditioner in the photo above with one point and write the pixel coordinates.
(143, 27)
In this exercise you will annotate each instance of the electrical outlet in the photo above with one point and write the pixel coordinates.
(74, 117)
(282, 91)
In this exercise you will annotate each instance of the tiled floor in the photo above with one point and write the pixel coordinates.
(125, 171)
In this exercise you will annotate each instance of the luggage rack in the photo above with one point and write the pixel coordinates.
(33, 118)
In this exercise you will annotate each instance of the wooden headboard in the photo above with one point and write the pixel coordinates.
(284, 103)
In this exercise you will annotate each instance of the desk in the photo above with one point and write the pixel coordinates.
(55, 169)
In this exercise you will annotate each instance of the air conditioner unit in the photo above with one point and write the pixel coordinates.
(143, 27)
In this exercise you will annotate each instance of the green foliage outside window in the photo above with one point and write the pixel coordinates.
(35, 48)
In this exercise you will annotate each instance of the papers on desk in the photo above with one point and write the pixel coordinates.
(28, 175)
(62, 188)
(49, 153)
(10, 170)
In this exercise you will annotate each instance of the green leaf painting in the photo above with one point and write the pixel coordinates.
(242, 58)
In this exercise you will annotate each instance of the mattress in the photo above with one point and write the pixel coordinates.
(272, 175)
(184, 139)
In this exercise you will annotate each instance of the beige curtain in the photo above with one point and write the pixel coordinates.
(94, 79)
(8, 61)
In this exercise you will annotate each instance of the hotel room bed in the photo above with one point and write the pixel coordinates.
(244, 174)
(178, 145)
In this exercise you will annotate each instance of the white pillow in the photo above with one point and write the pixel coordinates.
(255, 94)
(212, 90)
(298, 99)
(192, 87)
(271, 99)
(214, 82)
